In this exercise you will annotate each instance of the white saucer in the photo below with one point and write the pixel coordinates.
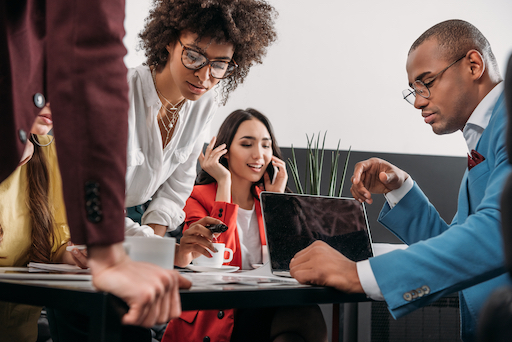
(223, 268)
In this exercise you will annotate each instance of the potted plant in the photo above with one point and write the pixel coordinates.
(314, 166)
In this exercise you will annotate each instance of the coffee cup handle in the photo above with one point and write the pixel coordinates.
(230, 251)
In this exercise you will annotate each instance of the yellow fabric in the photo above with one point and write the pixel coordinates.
(19, 322)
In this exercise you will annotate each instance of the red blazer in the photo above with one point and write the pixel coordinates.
(202, 203)
(217, 325)
(70, 53)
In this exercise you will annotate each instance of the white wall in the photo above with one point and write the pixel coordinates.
(357, 96)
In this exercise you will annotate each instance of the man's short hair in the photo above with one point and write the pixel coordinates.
(457, 37)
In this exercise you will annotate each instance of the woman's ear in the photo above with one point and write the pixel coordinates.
(170, 50)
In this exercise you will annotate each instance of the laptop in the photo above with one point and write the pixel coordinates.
(293, 221)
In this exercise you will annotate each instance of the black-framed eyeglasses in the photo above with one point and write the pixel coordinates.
(194, 60)
(422, 89)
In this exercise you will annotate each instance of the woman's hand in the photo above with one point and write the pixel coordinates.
(195, 242)
(210, 161)
(76, 256)
(281, 176)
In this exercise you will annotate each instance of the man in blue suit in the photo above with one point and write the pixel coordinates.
(456, 84)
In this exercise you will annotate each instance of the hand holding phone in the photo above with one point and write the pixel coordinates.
(272, 172)
(278, 177)
(218, 228)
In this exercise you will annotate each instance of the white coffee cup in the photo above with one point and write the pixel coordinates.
(158, 251)
(217, 259)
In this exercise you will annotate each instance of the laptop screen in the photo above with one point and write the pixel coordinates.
(292, 222)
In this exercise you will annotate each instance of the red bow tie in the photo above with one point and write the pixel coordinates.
(474, 159)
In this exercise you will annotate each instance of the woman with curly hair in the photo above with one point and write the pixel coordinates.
(192, 46)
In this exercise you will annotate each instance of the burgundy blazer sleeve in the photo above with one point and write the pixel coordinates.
(71, 52)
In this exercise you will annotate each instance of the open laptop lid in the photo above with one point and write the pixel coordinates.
(292, 222)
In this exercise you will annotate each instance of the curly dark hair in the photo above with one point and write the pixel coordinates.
(247, 24)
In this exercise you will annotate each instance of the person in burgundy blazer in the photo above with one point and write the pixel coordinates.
(70, 53)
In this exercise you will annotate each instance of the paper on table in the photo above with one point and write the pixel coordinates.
(43, 267)
(258, 277)
(23, 274)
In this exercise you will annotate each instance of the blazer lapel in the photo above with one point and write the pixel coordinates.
(463, 201)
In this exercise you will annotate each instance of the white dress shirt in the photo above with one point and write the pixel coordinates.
(472, 132)
(164, 175)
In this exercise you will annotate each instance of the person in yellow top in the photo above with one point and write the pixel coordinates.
(33, 225)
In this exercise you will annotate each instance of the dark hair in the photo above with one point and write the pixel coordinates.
(455, 38)
(43, 225)
(247, 24)
(227, 133)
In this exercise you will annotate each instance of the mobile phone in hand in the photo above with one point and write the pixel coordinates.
(272, 172)
(218, 228)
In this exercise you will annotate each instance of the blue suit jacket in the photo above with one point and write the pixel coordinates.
(466, 255)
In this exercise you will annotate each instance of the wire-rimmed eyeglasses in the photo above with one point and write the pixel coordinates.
(194, 60)
(422, 89)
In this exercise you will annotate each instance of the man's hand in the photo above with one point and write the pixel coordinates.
(151, 292)
(375, 176)
(320, 264)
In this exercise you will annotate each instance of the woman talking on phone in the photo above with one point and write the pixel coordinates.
(238, 164)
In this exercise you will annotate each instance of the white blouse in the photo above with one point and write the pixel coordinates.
(164, 175)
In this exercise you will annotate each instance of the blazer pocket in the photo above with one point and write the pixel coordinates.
(478, 171)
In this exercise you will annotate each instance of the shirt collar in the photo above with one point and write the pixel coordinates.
(481, 116)
(148, 88)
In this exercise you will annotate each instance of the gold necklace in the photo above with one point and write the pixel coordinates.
(174, 112)
(171, 122)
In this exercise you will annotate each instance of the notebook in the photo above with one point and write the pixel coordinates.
(292, 222)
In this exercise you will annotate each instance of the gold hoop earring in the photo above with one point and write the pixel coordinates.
(37, 142)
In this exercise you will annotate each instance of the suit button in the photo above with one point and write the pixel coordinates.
(420, 292)
(93, 202)
(407, 296)
(206, 339)
(221, 210)
(23, 136)
(426, 289)
(39, 100)
(220, 314)
(220, 214)
(414, 294)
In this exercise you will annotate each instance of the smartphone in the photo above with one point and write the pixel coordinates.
(272, 172)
